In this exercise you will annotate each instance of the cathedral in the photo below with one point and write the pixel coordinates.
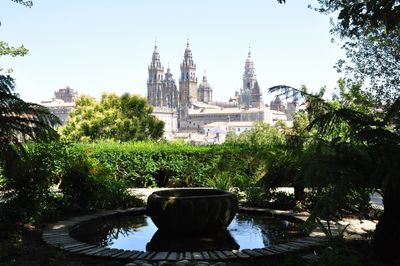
(162, 91)
(250, 94)
(161, 88)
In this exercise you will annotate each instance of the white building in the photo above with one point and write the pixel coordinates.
(59, 108)
(170, 118)
(197, 118)
(235, 127)
(62, 103)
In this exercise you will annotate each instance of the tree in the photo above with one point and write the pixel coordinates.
(21, 190)
(375, 58)
(357, 148)
(19, 120)
(370, 31)
(354, 16)
(122, 118)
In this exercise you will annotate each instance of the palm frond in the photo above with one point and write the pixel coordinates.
(20, 120)
(328, 122)
(287, 91)
(315, 103)
(392, 112)
(379, 136)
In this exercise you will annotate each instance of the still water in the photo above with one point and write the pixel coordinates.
(139, 233)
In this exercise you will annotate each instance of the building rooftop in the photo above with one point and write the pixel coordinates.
(220, 110)
(57, 103)
(231, 124)
(163, 110)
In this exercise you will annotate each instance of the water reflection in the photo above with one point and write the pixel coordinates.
(262, 231)
(162, 241)
(139, 233)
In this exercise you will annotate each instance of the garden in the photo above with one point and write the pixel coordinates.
(332, 172)
(340, 151)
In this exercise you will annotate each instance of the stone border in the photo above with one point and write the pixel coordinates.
(58, 235)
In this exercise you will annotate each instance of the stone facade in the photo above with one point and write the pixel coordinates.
(161, 89)
(62, 103)
(67, 94)
(163, 92)
(187, 80)
(197, 118)
(194, 103)
(205, 91)
(250, 94)
(170, 118)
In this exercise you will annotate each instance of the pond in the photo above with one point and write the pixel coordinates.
(138, 232)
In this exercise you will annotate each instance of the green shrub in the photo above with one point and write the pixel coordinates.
(26, 195)
(88, 185)
(57, 176)
(222, 181)
(256, 196)
(147, 164)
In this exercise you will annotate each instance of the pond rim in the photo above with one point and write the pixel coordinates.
(58, 235)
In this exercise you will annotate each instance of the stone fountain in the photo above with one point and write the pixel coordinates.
(192, 210)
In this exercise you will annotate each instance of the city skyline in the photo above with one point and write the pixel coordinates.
(107, 48)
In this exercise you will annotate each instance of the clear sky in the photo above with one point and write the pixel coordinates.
(106, 46)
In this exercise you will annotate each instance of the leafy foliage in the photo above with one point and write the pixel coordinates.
(20, 121)
(353, 17)
(113, 118)
(357, 148)
(88, 185)
(149, 164)
(26, 196)
(24, 2)
(370, 31)
(5, 49)
(24, 186)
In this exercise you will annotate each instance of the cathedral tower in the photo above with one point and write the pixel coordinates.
(170, 94)
(154, 82)
(251, 94)
(188, 79)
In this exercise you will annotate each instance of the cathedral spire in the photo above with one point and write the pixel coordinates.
(154, 81)
(155, 59)
(188, 51)
(250, 93)
(188, 79)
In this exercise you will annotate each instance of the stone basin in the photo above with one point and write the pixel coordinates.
(192, 210)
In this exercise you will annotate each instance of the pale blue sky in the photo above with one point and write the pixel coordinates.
(103, 45)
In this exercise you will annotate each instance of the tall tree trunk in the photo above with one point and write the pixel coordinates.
(387, 234)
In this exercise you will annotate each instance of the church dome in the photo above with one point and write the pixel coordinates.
(204, 84)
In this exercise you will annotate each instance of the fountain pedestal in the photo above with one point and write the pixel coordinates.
(192, 210)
